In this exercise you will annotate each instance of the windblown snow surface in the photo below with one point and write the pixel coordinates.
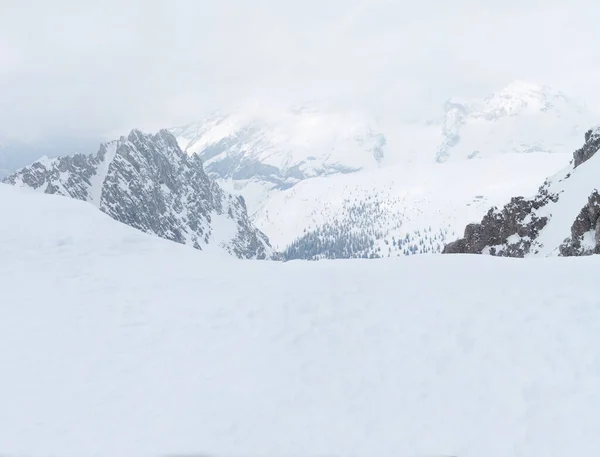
(117, 343)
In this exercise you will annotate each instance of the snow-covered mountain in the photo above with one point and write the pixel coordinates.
(254, 151)
(563, 218)
(147, 182)
(521, 118)
(15, 154)
(312, 174)
(117, 343)
(283, 147)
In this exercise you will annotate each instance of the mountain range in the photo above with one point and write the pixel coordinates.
(316, 182)
(283, 147)
(520, 118)
(311, 175)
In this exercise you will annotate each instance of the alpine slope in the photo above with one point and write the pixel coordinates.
(562, 218)
(122, 344)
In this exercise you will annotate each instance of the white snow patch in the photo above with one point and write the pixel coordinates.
(224, 229)
(514, 238)
(573, 196)
(45, 161)
(527, 219)
(588, 242)
(97, 181)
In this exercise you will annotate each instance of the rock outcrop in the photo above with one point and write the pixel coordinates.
(591, 146)
(585, 232)
(148, 182)
(514, 230)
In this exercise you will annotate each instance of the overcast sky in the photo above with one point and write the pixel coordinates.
(86, 68)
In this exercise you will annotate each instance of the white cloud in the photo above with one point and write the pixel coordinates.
(86, 68)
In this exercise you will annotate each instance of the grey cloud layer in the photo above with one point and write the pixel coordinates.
(83, 68)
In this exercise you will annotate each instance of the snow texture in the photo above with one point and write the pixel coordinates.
(119, 344)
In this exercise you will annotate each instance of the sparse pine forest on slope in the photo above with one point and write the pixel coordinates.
(366, 230)
(338, 241)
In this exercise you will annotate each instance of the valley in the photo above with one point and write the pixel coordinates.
(327, 184)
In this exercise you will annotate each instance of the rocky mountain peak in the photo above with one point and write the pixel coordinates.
(148, 182)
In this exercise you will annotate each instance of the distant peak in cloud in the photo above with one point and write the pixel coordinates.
(525, 87)
(514, 98)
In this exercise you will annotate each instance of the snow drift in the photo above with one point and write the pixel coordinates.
(117, 343)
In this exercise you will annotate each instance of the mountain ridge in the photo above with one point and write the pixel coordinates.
(284, 147)
(562, 219)
(147, 182)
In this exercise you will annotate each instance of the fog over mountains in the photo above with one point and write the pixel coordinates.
(311, 173)
(321, 182)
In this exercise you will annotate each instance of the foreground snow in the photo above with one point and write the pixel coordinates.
(115, 343)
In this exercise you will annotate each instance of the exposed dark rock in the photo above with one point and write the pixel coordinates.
(513, 230)
(591, 146)
(507, 232)
(587, 221)
(456, 247)
(147, 182)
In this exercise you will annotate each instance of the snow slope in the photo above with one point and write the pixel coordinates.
(563, 218)
(396, 201)
(117, 343)
(573, 186)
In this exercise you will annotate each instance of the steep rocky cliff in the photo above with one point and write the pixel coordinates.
(147, 182)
